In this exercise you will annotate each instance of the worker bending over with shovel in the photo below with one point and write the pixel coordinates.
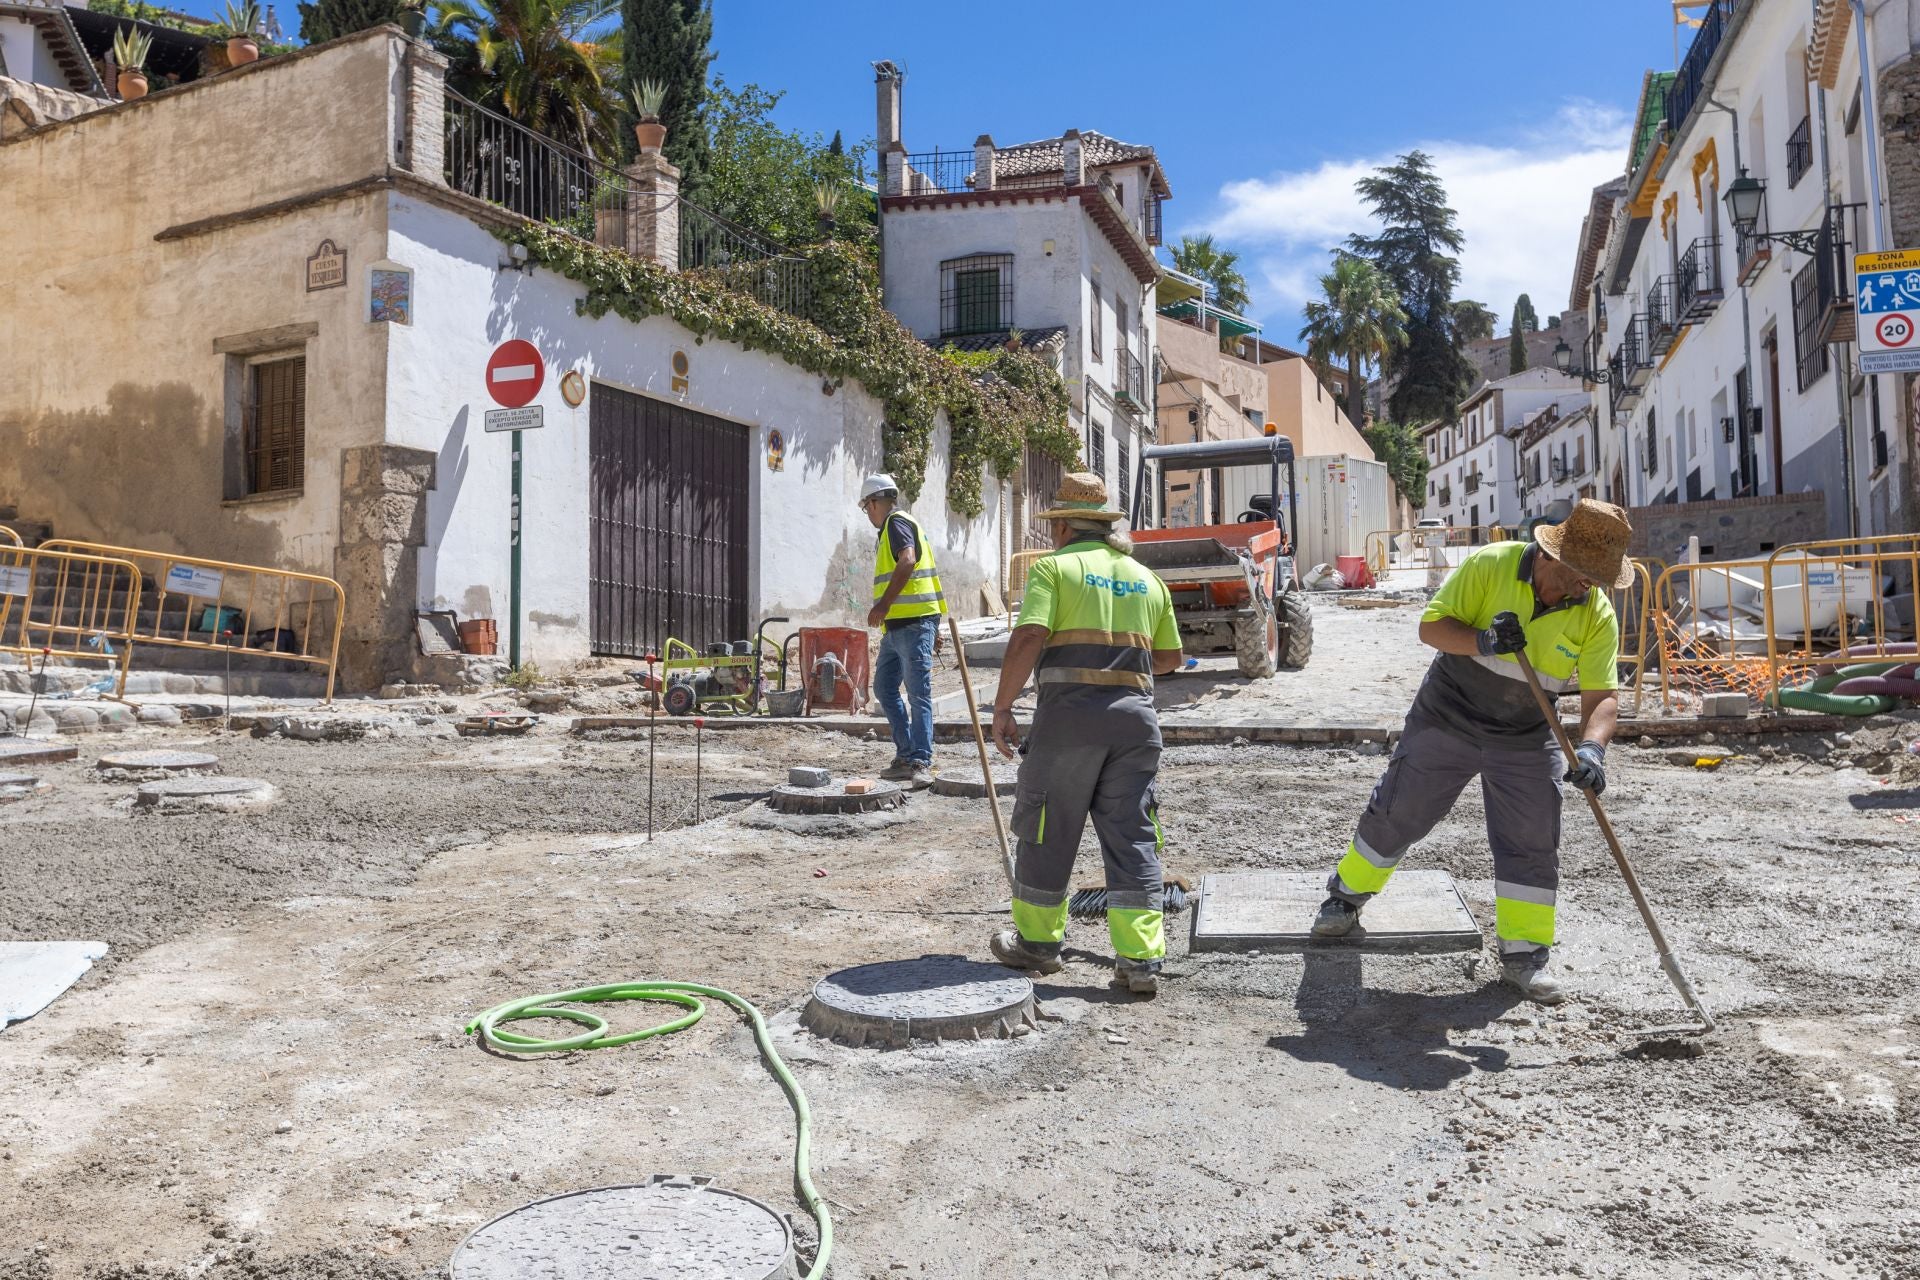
(1474, 714)
(1095, 627)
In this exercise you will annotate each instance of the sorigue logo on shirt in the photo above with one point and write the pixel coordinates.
(1119, 587)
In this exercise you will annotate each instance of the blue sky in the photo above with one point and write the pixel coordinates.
(1263, 112)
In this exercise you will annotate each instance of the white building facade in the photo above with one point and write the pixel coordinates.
(1051, 239)
(1473, 461)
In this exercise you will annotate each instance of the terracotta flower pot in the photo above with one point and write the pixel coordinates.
(650, 134)
(132, 84)
(242, 50)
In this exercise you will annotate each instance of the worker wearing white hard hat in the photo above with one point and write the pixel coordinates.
(908, 602)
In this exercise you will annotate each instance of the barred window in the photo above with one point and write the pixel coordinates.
(275, 423)
(1095, 317)
(976, 294)
(1096, 448)
(1810, 354)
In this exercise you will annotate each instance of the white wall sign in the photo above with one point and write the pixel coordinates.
(192, 580)
(16, 580)
(515, 419)
(1886, 292)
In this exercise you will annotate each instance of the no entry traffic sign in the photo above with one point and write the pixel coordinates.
(515, 373)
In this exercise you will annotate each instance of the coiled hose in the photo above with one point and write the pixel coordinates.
(687, 995)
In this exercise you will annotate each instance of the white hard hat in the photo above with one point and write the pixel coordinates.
(876, 484)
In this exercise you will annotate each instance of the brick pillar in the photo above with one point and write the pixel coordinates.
(893, 181)
(422, 149)
(653, 209)
(383, 525)
(1074, 172)
(983, 163)
(1898, 90)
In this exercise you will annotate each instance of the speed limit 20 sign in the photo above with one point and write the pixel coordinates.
(1886, 297)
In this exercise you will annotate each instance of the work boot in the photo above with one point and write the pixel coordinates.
(1336, 919)
(921, 775)
(1142, 977)
(1014, 951)
(899, 771)
(1527, 974)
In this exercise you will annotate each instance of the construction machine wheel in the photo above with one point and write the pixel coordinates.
(1296, 630)
(1256, 642)
(679, 700)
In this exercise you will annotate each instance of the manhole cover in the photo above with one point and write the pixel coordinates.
(932, 998)
(671, 1228)
(205, 793)
(1421, 910)
(968, 784)
(833, 798)
(32, 751)
(159, 762)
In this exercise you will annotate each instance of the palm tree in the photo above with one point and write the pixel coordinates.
(1200, 257)
(543, 63)
(1359, 321)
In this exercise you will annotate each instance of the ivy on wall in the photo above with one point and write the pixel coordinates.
(997, 404)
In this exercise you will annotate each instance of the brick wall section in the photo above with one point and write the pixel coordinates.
(1899, 103)
(653, 210)
(1729, 528)
(424, 152)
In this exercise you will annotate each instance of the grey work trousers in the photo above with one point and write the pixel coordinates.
(1065, 778)
(1521, 785)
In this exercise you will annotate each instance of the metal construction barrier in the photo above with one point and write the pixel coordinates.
(1427, 548)
(1713, 630)
(1017, 568)
(69, 606)
(1633, 607)
(8, 537)
(1847, 600)
(219, 606)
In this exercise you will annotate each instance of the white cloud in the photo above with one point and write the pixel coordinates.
(1519, 205)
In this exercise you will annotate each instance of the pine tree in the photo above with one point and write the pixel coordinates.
(1524, 323)
(330, 19)
(666, 40)
(1472, 321)
(1524, 318)
(1415, 247)
(836, 147)
(1517, 351)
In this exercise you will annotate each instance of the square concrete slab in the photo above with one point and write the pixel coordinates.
(1421, 911)
(33, 974)
(34, 751)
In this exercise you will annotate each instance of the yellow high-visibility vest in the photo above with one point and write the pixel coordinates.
(921, 597)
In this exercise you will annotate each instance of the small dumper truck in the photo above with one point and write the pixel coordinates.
(1234, 585)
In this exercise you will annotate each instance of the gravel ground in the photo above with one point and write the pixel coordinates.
(268, 1078)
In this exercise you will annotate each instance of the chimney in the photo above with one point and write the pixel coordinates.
(887, 79)
(983, 163)
(1074, 173)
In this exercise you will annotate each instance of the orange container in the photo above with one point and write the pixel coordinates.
(833, 668)
(479, 636)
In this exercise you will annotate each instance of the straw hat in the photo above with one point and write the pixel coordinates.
(1593, 541)
(1081, 496)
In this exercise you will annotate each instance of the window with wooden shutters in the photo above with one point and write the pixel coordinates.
(276, 425)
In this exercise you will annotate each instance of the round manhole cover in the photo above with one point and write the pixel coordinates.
(671, 1228)
(932, 998)
(835, 798)
(211, 793)
(968, 784)
(158, 762)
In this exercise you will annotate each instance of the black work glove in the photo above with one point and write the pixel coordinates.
(1589, 771)
(1506, 635)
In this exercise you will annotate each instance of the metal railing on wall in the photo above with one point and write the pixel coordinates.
(69, 606)
(220, 606)
(746, 262)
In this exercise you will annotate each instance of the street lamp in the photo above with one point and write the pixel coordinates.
(1746, 199)
(1563, 361)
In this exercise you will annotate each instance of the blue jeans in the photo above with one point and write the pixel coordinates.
(906, 656)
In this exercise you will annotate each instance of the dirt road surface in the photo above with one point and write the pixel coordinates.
(268, 1077)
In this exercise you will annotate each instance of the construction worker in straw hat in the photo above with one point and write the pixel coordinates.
(908, 602)
(1475, 715)
(1095, 627)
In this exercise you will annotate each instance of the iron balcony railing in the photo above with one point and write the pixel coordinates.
(1472, 483)
(1155, 220)
(939, 172)
(1698, 284)
(1840, 236)
(1799, 152)
(1691, 80)
(501, 161)
(1446, 497)
(1129, 380)
(1663, 325)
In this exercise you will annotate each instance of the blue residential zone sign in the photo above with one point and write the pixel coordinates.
(1886, 298)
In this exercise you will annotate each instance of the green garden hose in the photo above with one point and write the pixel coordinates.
(687, 995)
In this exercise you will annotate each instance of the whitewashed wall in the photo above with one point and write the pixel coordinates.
(812, 549)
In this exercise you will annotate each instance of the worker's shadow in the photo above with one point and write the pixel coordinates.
(1390, 1037)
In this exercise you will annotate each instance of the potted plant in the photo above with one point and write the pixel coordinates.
(826, 200)
(130, 48)
(648, 97)
(413, 17)
(610, 214)
(242, 20)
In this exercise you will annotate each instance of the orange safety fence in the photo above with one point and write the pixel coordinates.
(239, 610)
(1633, 607)
(71, 607)
(1840, 601)
(1420, 543)
(1017, 567)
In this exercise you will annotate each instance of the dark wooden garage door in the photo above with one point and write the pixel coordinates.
(669, 525)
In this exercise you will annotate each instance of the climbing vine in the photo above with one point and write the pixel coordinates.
(997, 404)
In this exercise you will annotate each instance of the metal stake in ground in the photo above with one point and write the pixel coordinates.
(34, 702)
(1668, 962)
(226, 681)
(699, 728)
(653, 705)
